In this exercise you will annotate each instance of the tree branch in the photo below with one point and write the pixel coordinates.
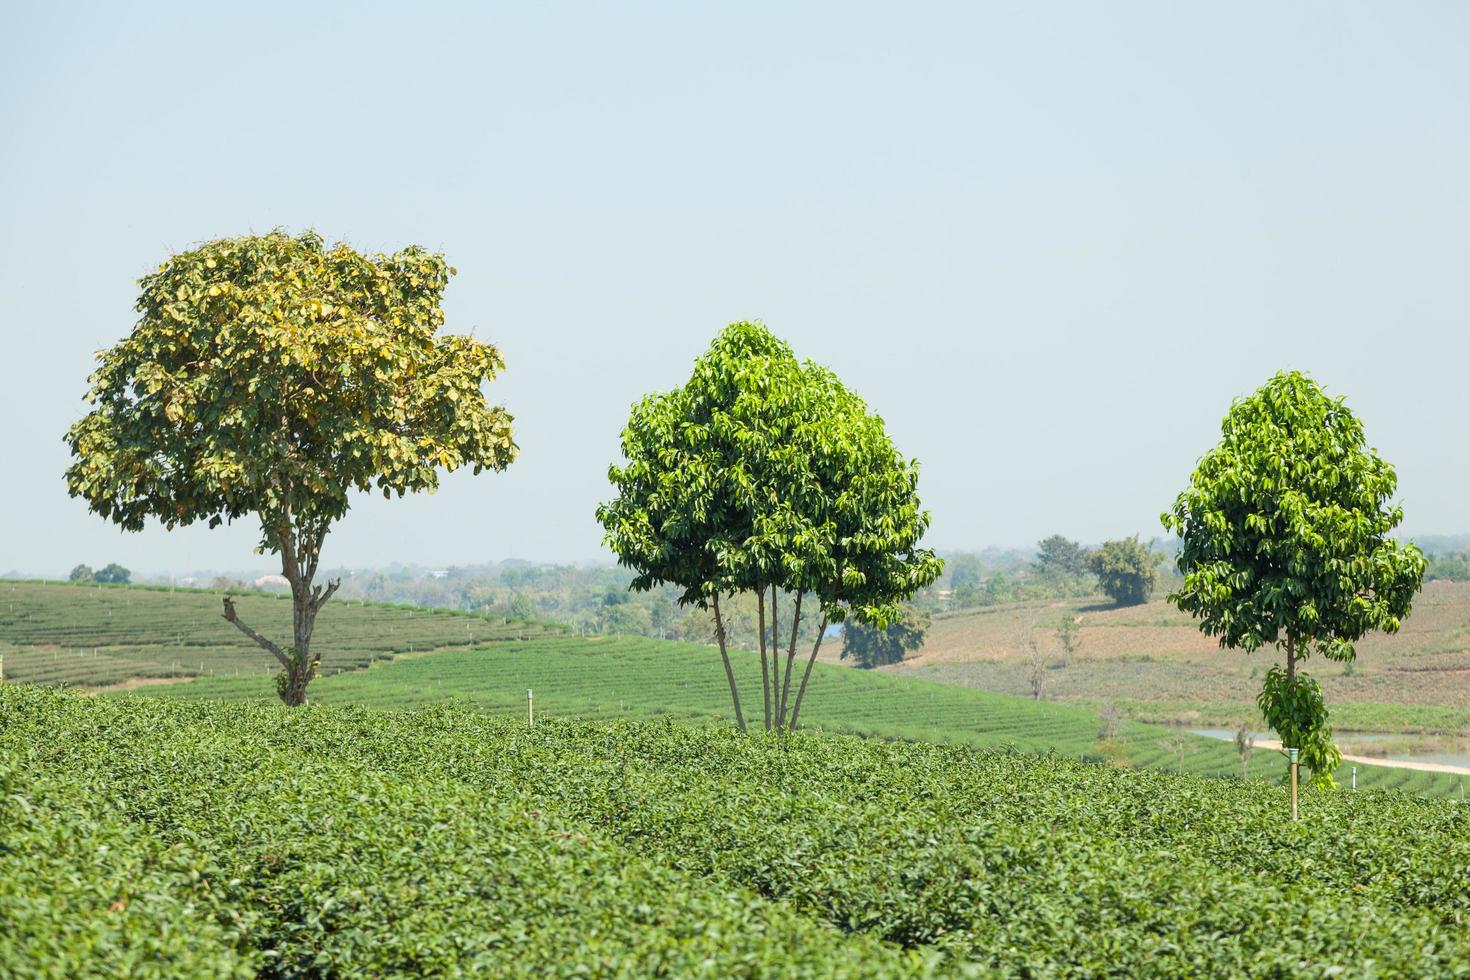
(319, 596)
(232, 617)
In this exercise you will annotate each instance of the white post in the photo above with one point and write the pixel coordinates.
(530, 708)
(1292, 757)
(1355, 777)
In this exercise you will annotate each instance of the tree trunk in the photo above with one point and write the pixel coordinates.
(297, 663)
(725, 656)
(1291, 675)
(801, 691)
(760, 609)
(790, 659)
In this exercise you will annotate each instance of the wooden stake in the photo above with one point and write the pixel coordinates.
(1292, 756)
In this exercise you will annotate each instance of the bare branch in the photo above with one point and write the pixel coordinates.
(232, 617)
(319, 596)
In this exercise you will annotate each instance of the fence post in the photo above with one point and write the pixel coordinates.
(530, 708)
(1355, 778)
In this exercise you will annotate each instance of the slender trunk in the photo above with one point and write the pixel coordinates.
(775, 646)
(790, 659)
(760, 610)
(1291, 675)
(725, 656)
(806, 675)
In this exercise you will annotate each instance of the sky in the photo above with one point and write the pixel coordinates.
(1047, 242)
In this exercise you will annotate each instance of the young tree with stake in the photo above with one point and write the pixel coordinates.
(271, 376)
(763, 474)
(1285, 527)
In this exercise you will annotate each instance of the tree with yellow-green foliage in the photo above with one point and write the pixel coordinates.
(269, 377)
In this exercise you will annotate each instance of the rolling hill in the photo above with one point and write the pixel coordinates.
(1152, 662)
(398, 657)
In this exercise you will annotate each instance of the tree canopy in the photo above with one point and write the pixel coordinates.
(1285, 527)
(764, 474)
(271, 376)
(1126, 570)
(869, 646)
(1058, 556)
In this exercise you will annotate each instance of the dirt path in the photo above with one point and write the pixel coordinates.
(1368, 760)
(130, 684)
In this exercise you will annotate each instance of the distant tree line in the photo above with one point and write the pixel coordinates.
(1453, 566)
(110, 574)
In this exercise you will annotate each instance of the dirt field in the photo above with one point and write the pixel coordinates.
(1153, 653)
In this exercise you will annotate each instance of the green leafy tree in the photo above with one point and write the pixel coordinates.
(82, 573)
(1126, 571)
(115, 574)
(869, 646)
(1060, 557)
(1285, 528)
(269, 377)
(1069, 637)
(764, 475)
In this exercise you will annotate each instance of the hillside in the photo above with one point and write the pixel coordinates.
(577, 677)
(156, 837)
(94, 636)
(598, 678)
(1153, 661)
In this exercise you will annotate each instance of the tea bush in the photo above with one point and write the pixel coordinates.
(175, 837)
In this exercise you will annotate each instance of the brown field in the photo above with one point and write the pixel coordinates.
(1154, 653)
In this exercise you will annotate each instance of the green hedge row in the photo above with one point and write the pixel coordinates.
(177, 837)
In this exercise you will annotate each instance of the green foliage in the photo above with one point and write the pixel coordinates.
(1294, 709)
(764, 474)
(82, 573)
(114, 574)
(1126, 570)
(1448, 567)
(1285, 528)
(765, 471)
(1060, 557)
(870, 646)
(441, 842)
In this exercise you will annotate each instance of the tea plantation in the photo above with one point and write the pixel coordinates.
(605, 677)
(62, 633)
(161, 837)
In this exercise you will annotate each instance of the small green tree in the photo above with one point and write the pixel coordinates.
(1069, 636)
(115, 574)
(869, 646)
(270, 376)
(1126, 571)
(1060, 557)
(1245, 745)
(82, 573)
(765, 475)
(1285, 527)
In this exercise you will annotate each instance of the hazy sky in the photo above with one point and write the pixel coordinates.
(1047, 242)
